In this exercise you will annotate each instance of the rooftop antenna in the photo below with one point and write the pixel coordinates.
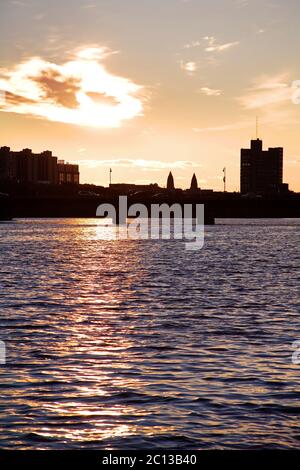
(256, 127)
(224, 179)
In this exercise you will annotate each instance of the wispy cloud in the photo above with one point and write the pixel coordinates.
(210, 91)
(293, 160)
(241, 3)
(267, 91)
(210, 44)
(226, 127)
(214, 46)
(189, 67)
(144, 165)
(18, 3)
(89, 6)
(192, 44)
(274, 117)
(81, 91)
(39, 16)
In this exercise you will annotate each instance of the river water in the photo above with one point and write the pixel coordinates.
(133, 344)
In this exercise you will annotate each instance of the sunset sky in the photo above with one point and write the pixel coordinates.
(145, 86)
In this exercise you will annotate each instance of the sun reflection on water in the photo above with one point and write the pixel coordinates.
(114, 343)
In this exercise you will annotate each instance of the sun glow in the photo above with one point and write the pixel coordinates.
(80, 91)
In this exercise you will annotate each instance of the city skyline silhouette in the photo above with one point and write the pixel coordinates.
(105, 99)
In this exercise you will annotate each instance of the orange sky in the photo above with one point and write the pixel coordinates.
(145, 87)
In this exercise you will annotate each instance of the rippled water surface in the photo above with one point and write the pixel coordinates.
(142, 344)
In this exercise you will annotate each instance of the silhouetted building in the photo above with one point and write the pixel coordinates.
(25, 166)
(67, 173)
(194, 183)
(261, 170)
(28, 167)
(170, 181)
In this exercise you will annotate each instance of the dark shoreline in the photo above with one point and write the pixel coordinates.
(81, 201)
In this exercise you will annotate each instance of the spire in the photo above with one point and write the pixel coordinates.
(194, 182)
(170, 181)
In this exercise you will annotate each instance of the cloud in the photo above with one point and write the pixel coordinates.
(294, 160)
(81, 91)
(241, 3)
(271, 98)
(226, 127)
(213, 46)
(271, 117)
(210, 91)
(13, 99)
(2, 97)
(189, 67)
(18, 3)
(192, 44)
(55, 87)
(144, 165)
(209, 52)
(210, 44)
(39, 16)
(89, 6)
(266, 92)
